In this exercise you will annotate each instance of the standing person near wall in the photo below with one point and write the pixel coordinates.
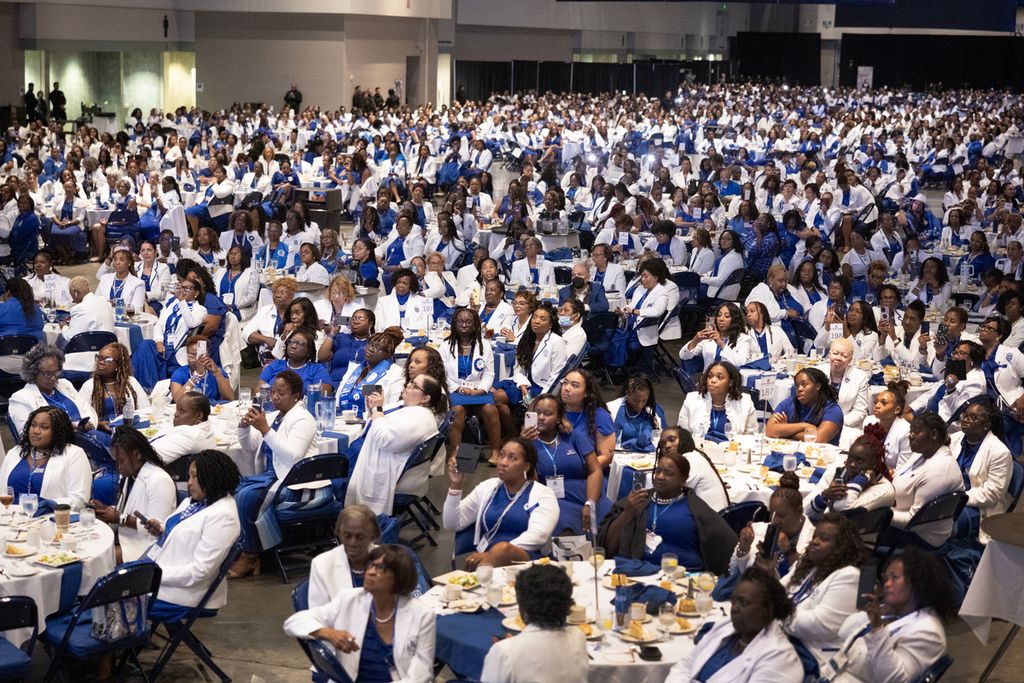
(293, 99)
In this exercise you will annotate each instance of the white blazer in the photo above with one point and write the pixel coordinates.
(85, 396)
(350, 611)
(388, 443)
(419, 313)
(179, 441)
(919, 481)
(695, 413)
(133, 293)
(705, 483)
(897, 441)
(91, 314)
(701, 261)
(154, 495)
(452, 254)
(52, 286)
(853, 395)
(878, 495)
(820, 613)
(739, 564)
(901, 651)
(542, 505)
(538, 655)
(549, 357)
(313, 273)
(193, 552)
(730, 262)
(159, 281)
(435, 288)
(778, 342)
(654, 306)
(769, 658)
(292, 441)
(707, 349)
(989, 474)
(522, 277)
(329, 573)
(67, 475)
(614, 277)
(503, 316)
(481, 374)
(963, 392)
(192, 316)
(1010, 372)
(763, 293)
(28, 398)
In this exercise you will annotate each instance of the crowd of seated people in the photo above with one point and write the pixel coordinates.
(782, 221)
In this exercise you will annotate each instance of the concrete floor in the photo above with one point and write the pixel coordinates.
(248, 643)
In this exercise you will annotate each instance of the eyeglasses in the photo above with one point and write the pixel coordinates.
(297, 342)
(989, 328)
(378, 567)
(413, 385)
(105, 359)
(52, 374)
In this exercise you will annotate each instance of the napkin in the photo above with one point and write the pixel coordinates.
(504, 346)
(560, 254)
(137, 422)
(653, 596)
(816, 475)
(773, 461)
(624, 565)
(417, 341)
(762, 363)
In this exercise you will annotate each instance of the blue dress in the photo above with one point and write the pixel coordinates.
(502, 521)
(311, 373)
(374, 656)
(634, 432)
(602, 421)
(722, 656)
(674, 523)
(24, 480)
(566, 458)
(347, 349)
(14, 321)
(207, 385)
(214, 306)
(799, 413)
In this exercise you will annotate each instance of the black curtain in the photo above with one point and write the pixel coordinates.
(918, 61)
(654, 79)
(524, 75)
(555, 77)
(793, 57)
(593, 79)
(480, 79)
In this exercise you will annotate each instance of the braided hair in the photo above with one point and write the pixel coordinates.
(60, 427)
(528, 343)
(476, 339)
(121, 382)
(642, 382)
(874, 439)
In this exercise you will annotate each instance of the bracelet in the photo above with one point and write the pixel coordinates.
(123, 519)
(455, 492)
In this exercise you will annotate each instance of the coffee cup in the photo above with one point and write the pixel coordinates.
(348, 415)
(637, 610)
(577, 614)
(452, 591)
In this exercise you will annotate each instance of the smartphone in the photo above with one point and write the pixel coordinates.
(840, 478)
(530, 420)
(468, 457)
(200, 349)
(175, 243)
(264, 398)
(942, 334)
(885, 314)
(81, 423)
(769, 546)
(649, 653)
(957, 368)
(867, 584)
(709, 324)
(925, 326)
(141, 517)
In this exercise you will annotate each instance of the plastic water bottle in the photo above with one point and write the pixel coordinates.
(129, 409)
(119, 310)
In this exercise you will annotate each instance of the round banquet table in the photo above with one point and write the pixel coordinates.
(144, 323)
(463, 640)
(46, 585)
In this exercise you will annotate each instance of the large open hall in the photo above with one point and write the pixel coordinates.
(546, 341)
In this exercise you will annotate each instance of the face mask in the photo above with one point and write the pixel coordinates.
(578, 283)
(564, 321)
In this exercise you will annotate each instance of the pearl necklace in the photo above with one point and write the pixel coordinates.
(666, 501)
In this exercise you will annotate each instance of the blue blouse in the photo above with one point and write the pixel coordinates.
(722, 656)
(800, 413)
(311, 373)
(516, 520)
(14, 321)
(346, 350)
(635, 432)
(964, 459)
(374, 655)
(24, 481)
(678, 531)
(602, 421)
(566, 458)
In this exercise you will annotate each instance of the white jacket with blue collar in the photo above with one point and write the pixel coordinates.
(481, 373)
(549, 357)
(989, 474)
(655, 304)
(542, 505)
(769, 658)
(822, 609)
(901, 651)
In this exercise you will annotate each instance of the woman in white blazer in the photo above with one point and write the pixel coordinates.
(178, 318)
(122, 282)
(786, 508)
(726, 340)
(748, 647)
(155, 276)
(391, 436)
(439, 286)
(495, 313)
(851, 383)
(311, 270)
(469, 369)
(719, 399)
(190, 546)
(144, 486)
(730, 259)
(532, 270)
(858, 327)
(379, 631)
(702, 256)
(404, 307)
(46, 463)
(606, 273)
(765, 339)
(343, 567)
(984, 461)
(278, 440)
(649, 302)
(41, 371)
(47, 284)
(865, 482)
(511, 515)
(900, 638)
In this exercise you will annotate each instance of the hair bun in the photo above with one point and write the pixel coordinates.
(395, 333)
(789, 480)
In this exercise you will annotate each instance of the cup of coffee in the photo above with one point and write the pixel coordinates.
(348, 415)
(577, 614)
(637, 610)
(452, 591)
(62, 516)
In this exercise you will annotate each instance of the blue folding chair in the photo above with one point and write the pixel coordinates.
(17, 611)
(181, 632)
(410, 508)
(936, 670)
(329, 467)
(85, 342)
(738, 515)
(69, 636)
(12, 345)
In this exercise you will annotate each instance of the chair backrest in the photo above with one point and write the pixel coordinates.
(738, 515)
(90, 341)
(947, 506)
(222, 573)
(730, 289)
(599, 325)
(1016, 485)
(424, 452)
(684, 380)
(804, 329)
(688, 283)
(129, 580)
(14, 431)
(563, 275)
(300, 596)
(870, 521)
(325, 662)
(179, 468)
(322, 467)
(16, 344)
(17, 611)
(936, 670)
(97, 453)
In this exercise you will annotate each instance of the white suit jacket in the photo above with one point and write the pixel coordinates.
(68, 475)
(575, 339)
(329, 573)
(292, 441)
(761, 292)
(154, 495)
(730, 262)
(460, 512)
(549, 357)
(919, 481)
(899, 652)
(897, 441)
(654, 306)
(194, 551)
(159, 281)
(738, 355)
(695, 413)
(184, 440)
(538, 655)
(91, 314)
(769, 658)
(350, 611)
(85, 395)
(778, 342)
(419, 313)
(503, 316)
(878, 495)
(192, 316)
(853, 395)
(53, 286)
(821, 612)
(989, 475)
(614, 277)
(134, 292)
(964, 391)
(522, 277)
(28, 398)
(481, 375)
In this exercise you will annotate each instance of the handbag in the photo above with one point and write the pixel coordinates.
(119, 620)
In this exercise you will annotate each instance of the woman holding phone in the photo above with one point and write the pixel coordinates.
(863, 483)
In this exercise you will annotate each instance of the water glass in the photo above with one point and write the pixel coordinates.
(810, 434)
(666, 619)
(484, 573)
(597, 557)
(703, 603)
(87, 517)
(728, 430)
(789, 462)
(669, 562)
(29, 503)
(47, 532)
(244, 399)
(494, 593)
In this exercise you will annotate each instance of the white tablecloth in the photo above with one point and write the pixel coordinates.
(94, 215)
(44, 586)
(995, 589)
(52, 331)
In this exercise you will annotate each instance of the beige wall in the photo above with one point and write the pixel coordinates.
(12, 57)
(501, 44)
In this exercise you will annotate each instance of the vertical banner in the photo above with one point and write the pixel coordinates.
(865, 76)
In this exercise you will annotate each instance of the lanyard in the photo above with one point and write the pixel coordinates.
(488, 532)
(658, 511)
(551, 453)
(718, 418)
(804, 591)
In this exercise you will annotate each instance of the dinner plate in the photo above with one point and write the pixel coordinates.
(458, 577)
(678, 630)
(21, 569)
(27, 553)
(511, 624)
(651, 635)
(464, 606)
(58, 559)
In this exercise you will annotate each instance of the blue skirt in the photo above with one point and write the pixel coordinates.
(514, 394)
(458, 399)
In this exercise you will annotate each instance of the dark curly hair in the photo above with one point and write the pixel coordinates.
(544, 593)
(873, 439)
(738, 325)
(686, 445)
(776, 601)
(435, 365)
(929, 581)
(292, 379)
(849, 551)
(528, 342)
(60, 425)
(826, 395)
(735, 379)
(592, 400)
(414, 283)
(217, 474)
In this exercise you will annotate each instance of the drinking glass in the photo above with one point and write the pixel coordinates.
(703, 603)
(484, 573)
(86, 518)
(29, 503)
(666, 619)
(810, 434)
(244, 399)
(47, 532)
(669, 562)
(597, 558)
(728, 430)
(7, 497)
(789, 462)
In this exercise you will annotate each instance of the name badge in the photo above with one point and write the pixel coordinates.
(557, 485)
(228, 298)
(652, 541)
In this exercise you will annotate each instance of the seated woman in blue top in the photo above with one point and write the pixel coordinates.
(511, 516)
(567, 464)
(110, 387)
(812, 405)
(274, 253)
(213, 324)
(668, 518)
(24, 237)
(377, 369)
(587, 413)
(979, 258)
(363, 264)
(300, 358)
(19, 313)
(636, 414)
(201, 374)
(343, 348)
(238, 283)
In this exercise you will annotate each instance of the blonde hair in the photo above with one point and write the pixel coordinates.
(776, 269)
(288, 283)
(341, 282)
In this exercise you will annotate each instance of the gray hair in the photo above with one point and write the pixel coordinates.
(36, 355)
(361, 513)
